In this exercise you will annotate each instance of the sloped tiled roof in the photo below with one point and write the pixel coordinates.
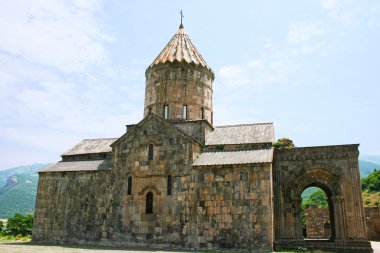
(235, 157)
(79, 166)
(182, 49)
(241, 134)
(91, 146)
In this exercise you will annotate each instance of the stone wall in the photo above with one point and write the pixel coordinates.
(173, 154)
(71, 206)
(316, 217)
(335, 170)
(198, 129)
(215, 207)
(234, 208)
(372, 215)
(175, 85)
(317, 222)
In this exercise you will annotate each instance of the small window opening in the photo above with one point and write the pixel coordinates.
(169, 185)
(185, 112)
(202, 113)
(166, 111)
(150, 152)
(149, 203)
(129, 185)
(150, 110)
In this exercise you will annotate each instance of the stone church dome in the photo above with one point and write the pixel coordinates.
(180, 48)
(179, 82)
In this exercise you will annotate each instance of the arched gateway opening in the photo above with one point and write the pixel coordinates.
(334, 170)
(317, 213)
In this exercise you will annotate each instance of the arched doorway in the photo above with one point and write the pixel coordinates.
(317, 213)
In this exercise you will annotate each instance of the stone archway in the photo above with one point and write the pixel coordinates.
(320, 175)
(330, 235)
(335, 170)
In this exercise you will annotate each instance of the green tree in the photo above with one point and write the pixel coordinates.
(371, 183)
(283, 143)
(318, 198)
(1, 227)
(19, 225)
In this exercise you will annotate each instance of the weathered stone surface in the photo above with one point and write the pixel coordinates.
(154, 194)
(317, 222)
(335, 170)
(316, 217)
(177, 84)
(372, 216)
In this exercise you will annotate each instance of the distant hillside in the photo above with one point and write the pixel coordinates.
(366, 167)
(18, 187)
(371, 158)
(28, 169)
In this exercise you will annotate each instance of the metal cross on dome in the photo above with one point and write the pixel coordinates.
(181, 26)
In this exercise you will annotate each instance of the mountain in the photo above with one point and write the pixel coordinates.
(28, 169)
(371, 158)
(18, 187)
(367, 167)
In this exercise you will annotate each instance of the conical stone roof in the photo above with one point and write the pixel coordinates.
(180, 48)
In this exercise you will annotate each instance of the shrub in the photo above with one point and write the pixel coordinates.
(19, 225)
(283, 143)
(1, 227)
(371, 183)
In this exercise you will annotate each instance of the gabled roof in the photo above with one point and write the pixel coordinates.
(235, 157)
(180, 48)
(91, 146)
(163, 121)
(95, 165)
(241, 134)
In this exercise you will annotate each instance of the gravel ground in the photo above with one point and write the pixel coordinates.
(27, 247)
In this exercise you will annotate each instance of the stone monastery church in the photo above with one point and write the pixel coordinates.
(174, 180)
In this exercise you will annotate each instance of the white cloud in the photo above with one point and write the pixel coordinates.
(302, 32)
(339, 10)
(60, 34)
(57, 85)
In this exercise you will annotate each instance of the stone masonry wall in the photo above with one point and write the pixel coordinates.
(177, 84)
(372, 215)
(71, 206)
(173, 154)
(234, 208)
(317, 222)
(198, 129)
(316, 217)
(215, 207)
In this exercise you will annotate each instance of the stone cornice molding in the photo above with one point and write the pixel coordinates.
(317, 153)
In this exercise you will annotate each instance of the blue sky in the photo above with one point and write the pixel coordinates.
(72, 70)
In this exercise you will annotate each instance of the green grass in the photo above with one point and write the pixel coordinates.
(11, 238)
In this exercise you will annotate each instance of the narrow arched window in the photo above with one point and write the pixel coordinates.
(129, 185)
(150, 152)
(166, 111)
(185, 112)
(202, 113)
(149, 203)
(169, 185)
